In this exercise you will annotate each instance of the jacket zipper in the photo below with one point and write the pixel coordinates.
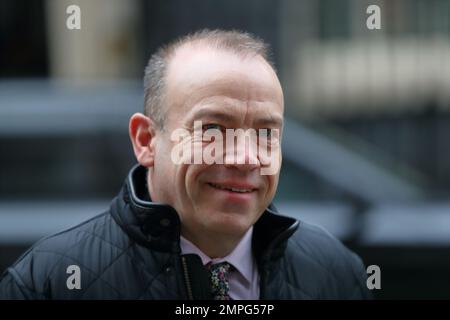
(187, 278)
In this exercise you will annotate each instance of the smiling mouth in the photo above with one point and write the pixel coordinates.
(237, 190)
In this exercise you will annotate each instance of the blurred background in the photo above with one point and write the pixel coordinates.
(366, 141)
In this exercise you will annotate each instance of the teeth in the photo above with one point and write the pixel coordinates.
(231, 189)
(239, 190)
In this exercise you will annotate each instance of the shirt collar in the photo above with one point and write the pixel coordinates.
(241, 257)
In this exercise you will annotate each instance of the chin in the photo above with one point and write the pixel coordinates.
(231, 223)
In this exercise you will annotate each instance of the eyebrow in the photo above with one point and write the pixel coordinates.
(275, 121)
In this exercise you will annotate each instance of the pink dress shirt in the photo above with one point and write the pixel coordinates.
(244, 281)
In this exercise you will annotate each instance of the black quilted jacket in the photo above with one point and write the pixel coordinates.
(132, 252)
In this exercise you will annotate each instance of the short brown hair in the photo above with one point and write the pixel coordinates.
(238, 42)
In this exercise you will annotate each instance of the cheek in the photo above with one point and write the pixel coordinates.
(272, 183)
(165, 172)
(194, 184)
(163, 165)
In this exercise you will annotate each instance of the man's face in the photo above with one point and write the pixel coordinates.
(223, 91)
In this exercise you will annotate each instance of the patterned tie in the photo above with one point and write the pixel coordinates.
(219, 280)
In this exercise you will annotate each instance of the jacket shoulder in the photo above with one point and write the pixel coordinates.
(90, 246)
(334, 271)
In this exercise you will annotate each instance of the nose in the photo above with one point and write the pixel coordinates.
(241, 152)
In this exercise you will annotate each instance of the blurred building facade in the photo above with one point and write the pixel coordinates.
(368, 118)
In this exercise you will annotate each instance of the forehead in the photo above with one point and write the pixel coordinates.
(197, 72)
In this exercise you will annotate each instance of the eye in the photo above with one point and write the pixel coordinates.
(213, 126)
(265, 132)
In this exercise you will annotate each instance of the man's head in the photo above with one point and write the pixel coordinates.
(224, 80)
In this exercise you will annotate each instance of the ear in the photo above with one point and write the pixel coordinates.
(142, 134)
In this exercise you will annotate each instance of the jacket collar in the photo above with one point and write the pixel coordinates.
(157, 225)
